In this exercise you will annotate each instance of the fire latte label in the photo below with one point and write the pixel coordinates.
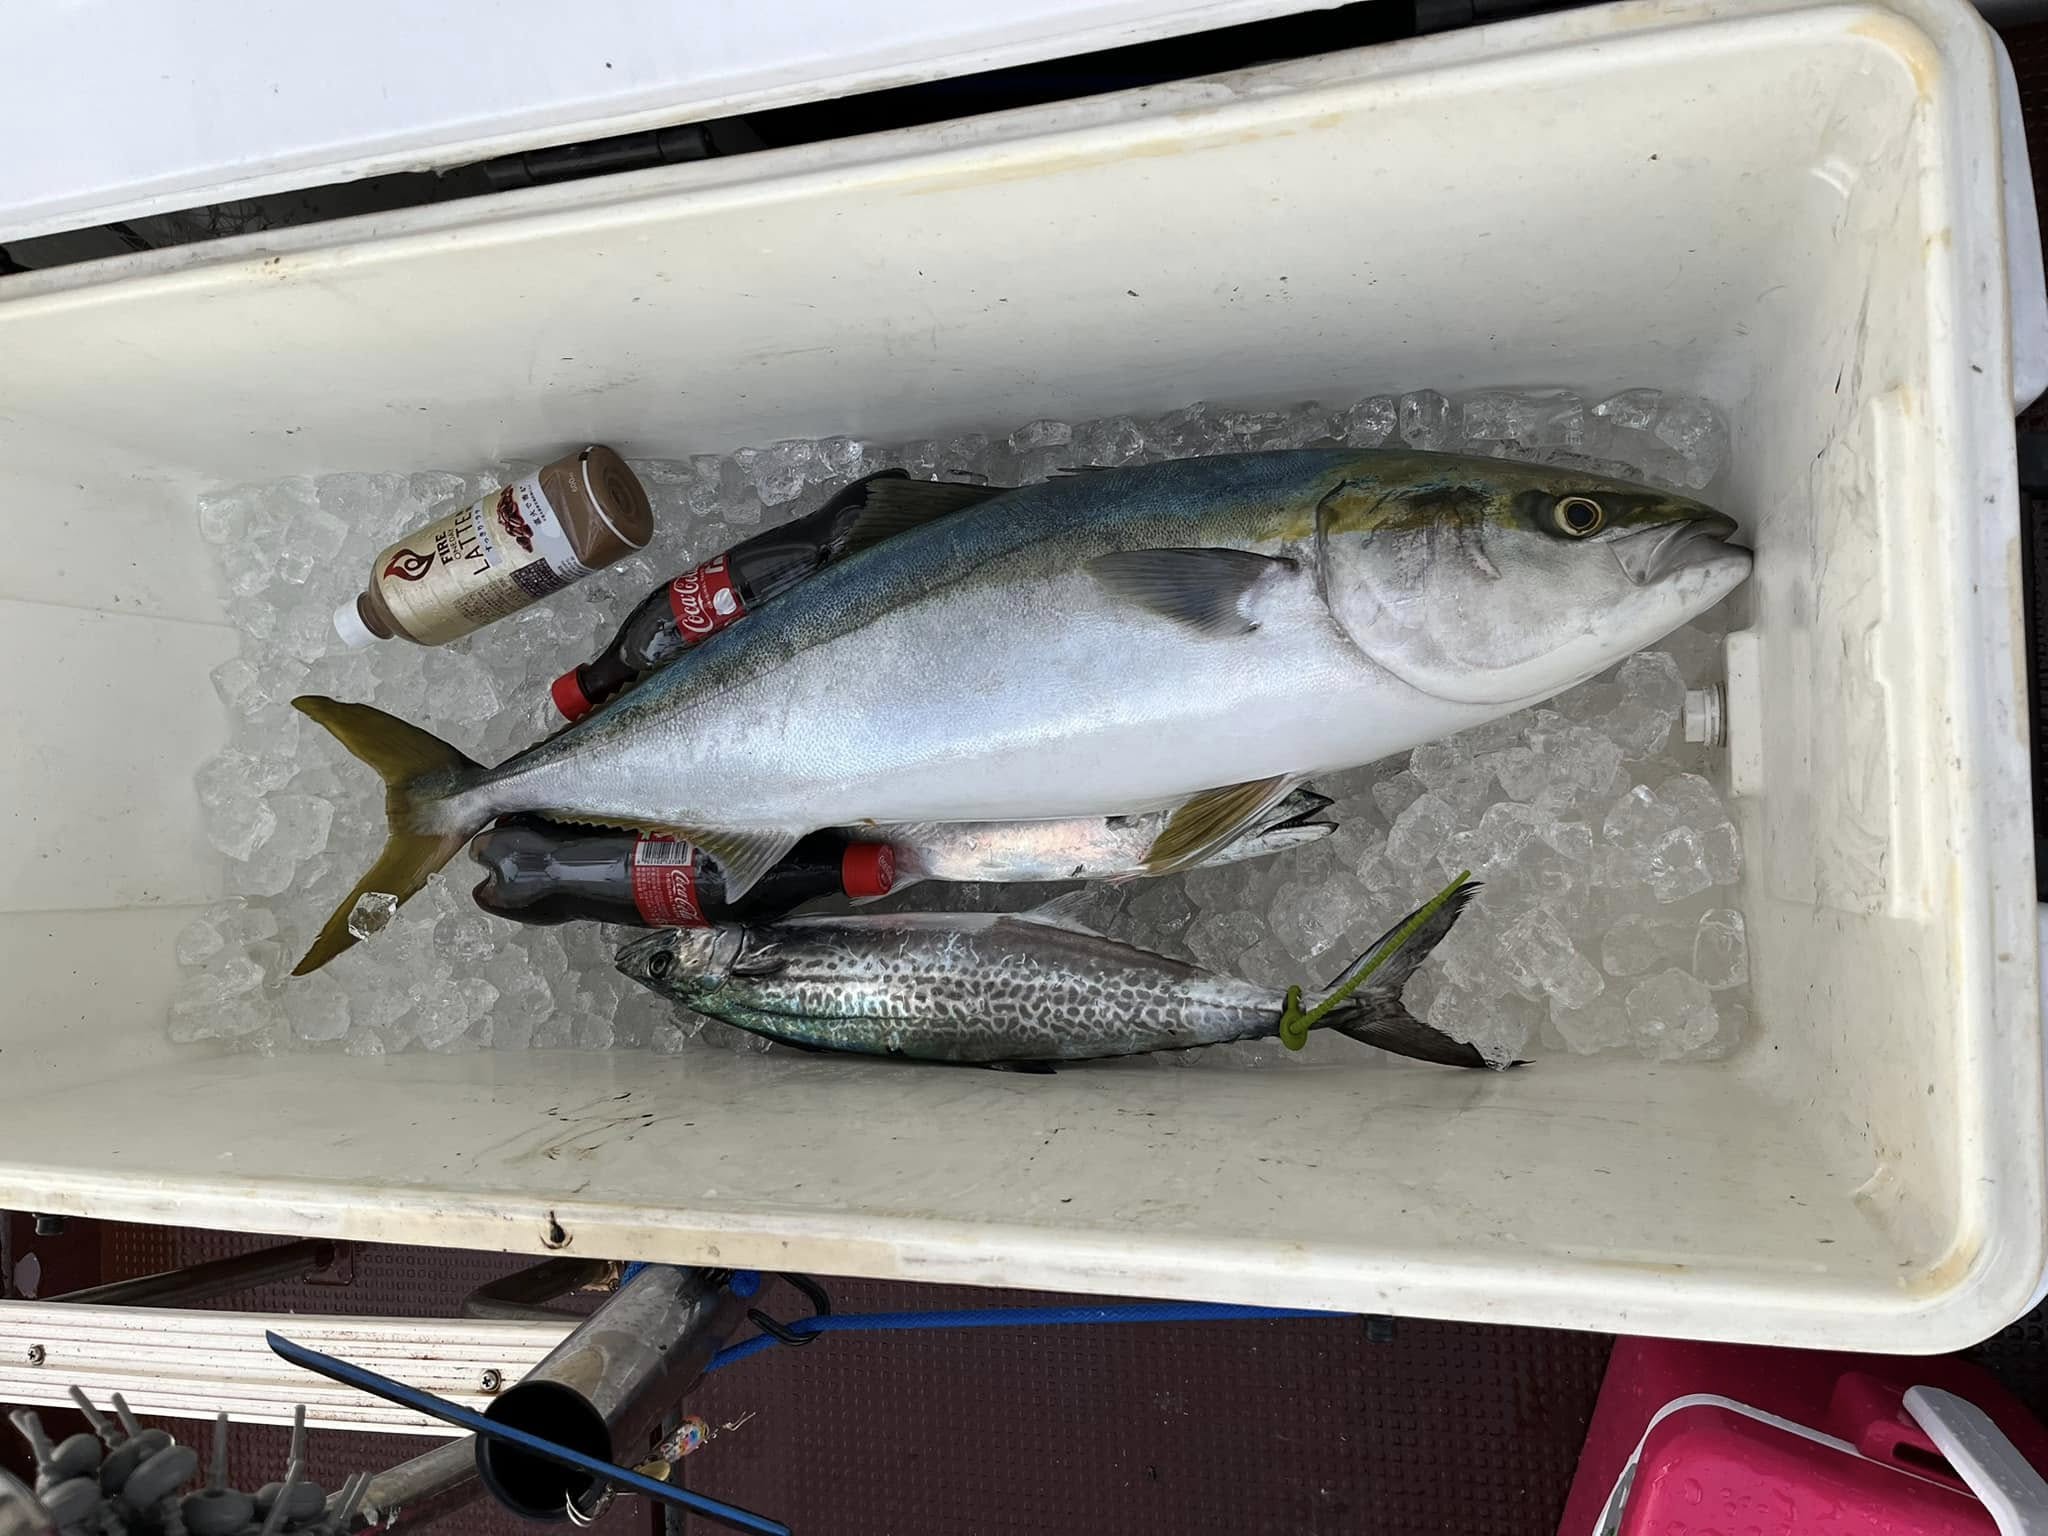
(705, 600)
(490, 558)
(665, 883)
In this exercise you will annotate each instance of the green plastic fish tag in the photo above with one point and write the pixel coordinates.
(1295, 1025)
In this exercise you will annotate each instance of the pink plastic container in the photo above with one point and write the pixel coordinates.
(1728, 1438)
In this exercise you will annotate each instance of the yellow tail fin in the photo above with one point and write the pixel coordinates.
(418, 770)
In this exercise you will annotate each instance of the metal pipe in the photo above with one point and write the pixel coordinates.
(217, 1277)
(518, 1297)
(605, 1387)
(422, 1490)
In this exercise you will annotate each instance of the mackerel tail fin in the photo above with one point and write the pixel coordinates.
(420, 771)
(1375, 1015)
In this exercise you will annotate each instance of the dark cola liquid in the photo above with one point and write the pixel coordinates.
(542, 872)
(699, 603)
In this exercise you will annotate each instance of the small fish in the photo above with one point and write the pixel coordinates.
(1202, 633)
(1026, 989)
(1078, 847)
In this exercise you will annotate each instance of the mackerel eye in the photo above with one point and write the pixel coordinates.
(1578, 517)
(660, 963)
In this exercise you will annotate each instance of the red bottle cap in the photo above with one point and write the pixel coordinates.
(567, 692)
(868, 869)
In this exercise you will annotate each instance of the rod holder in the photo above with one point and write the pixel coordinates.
(605, 1387)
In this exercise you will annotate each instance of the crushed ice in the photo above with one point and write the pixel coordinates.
(1608, 921)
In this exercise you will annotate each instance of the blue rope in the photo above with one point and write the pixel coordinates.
(746, 1283)
(1013, 1317)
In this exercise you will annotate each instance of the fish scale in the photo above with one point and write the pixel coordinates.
(1051, 989)
(995, 990)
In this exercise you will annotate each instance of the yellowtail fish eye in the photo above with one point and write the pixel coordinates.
(1577, 517)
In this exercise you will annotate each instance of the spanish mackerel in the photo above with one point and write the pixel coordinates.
(989, 990)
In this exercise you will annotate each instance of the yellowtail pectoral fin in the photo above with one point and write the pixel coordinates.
(1201, 588)
(1212, 819)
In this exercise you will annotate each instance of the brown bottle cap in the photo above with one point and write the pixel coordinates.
(602, 502)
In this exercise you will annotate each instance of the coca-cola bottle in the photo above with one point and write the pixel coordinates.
(545, 872)
(699, 603)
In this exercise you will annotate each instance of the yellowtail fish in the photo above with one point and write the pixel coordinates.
(1101, 644)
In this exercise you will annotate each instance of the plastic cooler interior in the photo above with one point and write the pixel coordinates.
(1795, 210)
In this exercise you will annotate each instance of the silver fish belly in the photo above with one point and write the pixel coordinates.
(1075, 848)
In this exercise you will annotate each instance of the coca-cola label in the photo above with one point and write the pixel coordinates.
(665, 883)
(705, 600)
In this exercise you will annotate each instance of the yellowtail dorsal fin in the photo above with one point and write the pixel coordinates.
(896, 506)
(1212, 819)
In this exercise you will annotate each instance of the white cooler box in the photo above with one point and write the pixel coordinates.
(1797, 210)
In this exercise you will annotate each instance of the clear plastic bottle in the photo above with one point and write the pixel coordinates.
(502, 552)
